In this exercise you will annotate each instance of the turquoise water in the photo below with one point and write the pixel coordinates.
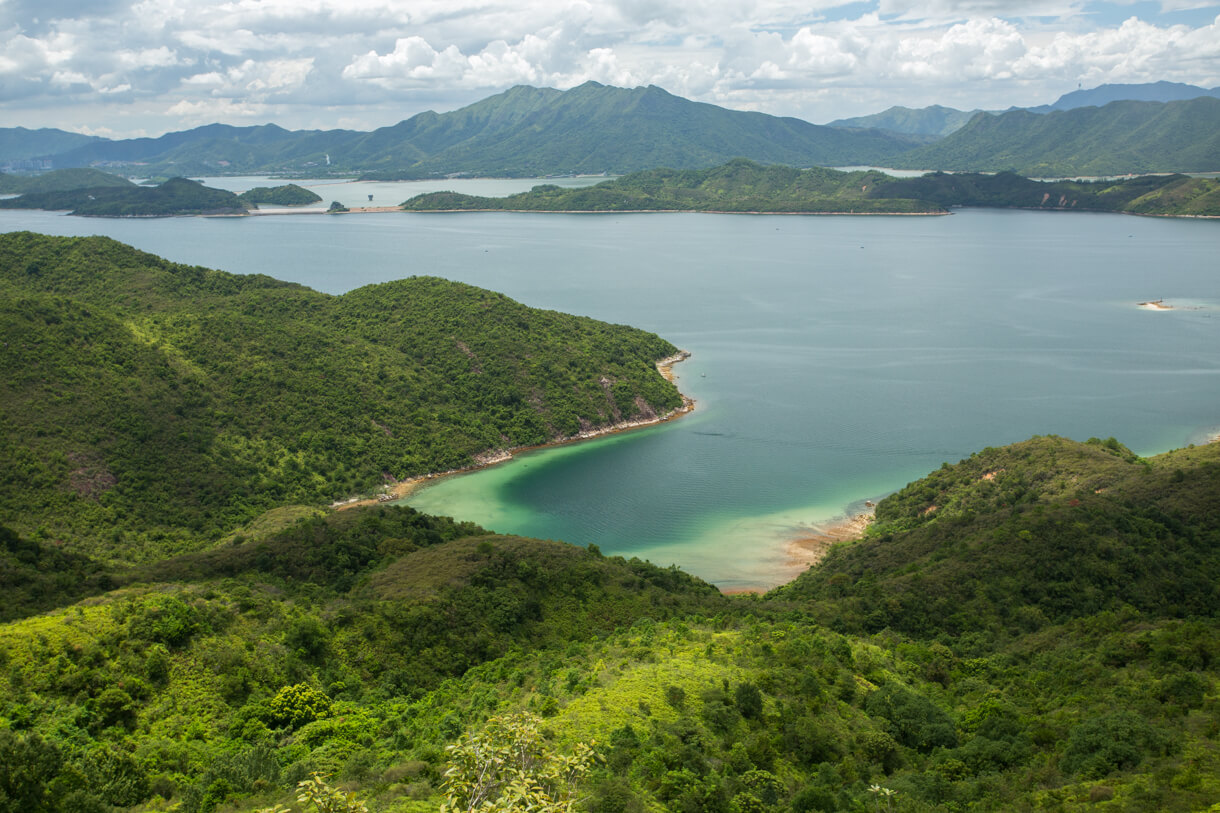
(835, 358)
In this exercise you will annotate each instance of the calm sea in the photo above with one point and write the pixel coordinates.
(835, 358)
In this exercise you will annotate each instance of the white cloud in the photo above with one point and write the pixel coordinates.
(332, 62)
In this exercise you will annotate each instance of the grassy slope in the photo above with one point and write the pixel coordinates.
(154, 407)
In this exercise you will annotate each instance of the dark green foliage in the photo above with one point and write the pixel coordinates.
(155, 407)
(1151, 194)
(738, 186)
(177, 196)
(1105, 744)
(1033, 534)
(912, 719)
(743, 186)
(287, 195)
(61, 180)
(30, 764)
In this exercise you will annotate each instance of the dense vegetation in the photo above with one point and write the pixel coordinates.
(932, 122)
(1045, 639)
(1116, 139)
(60, 180)
(738, 186)
(591, 129)
(1175, 195)
(177, 196)
(1036, 627)
(286, 195)
(743, 186)
(524, 131)
(150, 407)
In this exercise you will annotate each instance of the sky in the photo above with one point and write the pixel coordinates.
(124, 68)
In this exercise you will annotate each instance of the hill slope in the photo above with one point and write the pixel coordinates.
(1119, 138)
(738, 186)
(934, 121)
(524, 131)
(1032, 534)
(153, 407)
(1146, 92)
(1062, 652)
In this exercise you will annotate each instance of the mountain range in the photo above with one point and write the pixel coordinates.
(592, 129)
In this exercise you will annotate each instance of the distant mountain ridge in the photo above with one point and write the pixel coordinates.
(523, 131)
(1147, 92)
(590, 129)
(939, 121)
(934, 121)
(1117, 139)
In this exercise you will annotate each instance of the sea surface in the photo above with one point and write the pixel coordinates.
(835, 359)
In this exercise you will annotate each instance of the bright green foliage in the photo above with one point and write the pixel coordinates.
(325, 799)
(294, 706)
(508, 766)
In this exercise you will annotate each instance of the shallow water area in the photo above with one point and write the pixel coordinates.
(835, 358)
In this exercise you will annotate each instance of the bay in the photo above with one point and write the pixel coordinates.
(835, 358)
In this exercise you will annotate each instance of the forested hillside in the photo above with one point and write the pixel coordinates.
(151, 407)
(1045, 638)
(744, 186)
(738, 186)
(1117, 139)
(1036, 627)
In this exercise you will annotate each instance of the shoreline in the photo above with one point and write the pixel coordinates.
(404, 488)
(811, 546)
(669, 212)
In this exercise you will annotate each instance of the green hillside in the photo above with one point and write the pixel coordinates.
(286, 195)
(177, 196)
(1046, 638)
(932, 122)
(738, 186)
(61, 180)
(152, 407)
(1119, 138)
(524, 131)
(20, 143)
(743, 186)
(187, 628)
(1172, 195)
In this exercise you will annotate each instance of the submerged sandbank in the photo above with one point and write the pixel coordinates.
(810, 546)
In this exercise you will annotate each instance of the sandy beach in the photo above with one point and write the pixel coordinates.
(1155, 305)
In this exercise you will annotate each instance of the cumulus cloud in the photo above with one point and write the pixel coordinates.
(325, 62)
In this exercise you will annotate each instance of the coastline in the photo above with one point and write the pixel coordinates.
(811, 546)
(491, 457)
